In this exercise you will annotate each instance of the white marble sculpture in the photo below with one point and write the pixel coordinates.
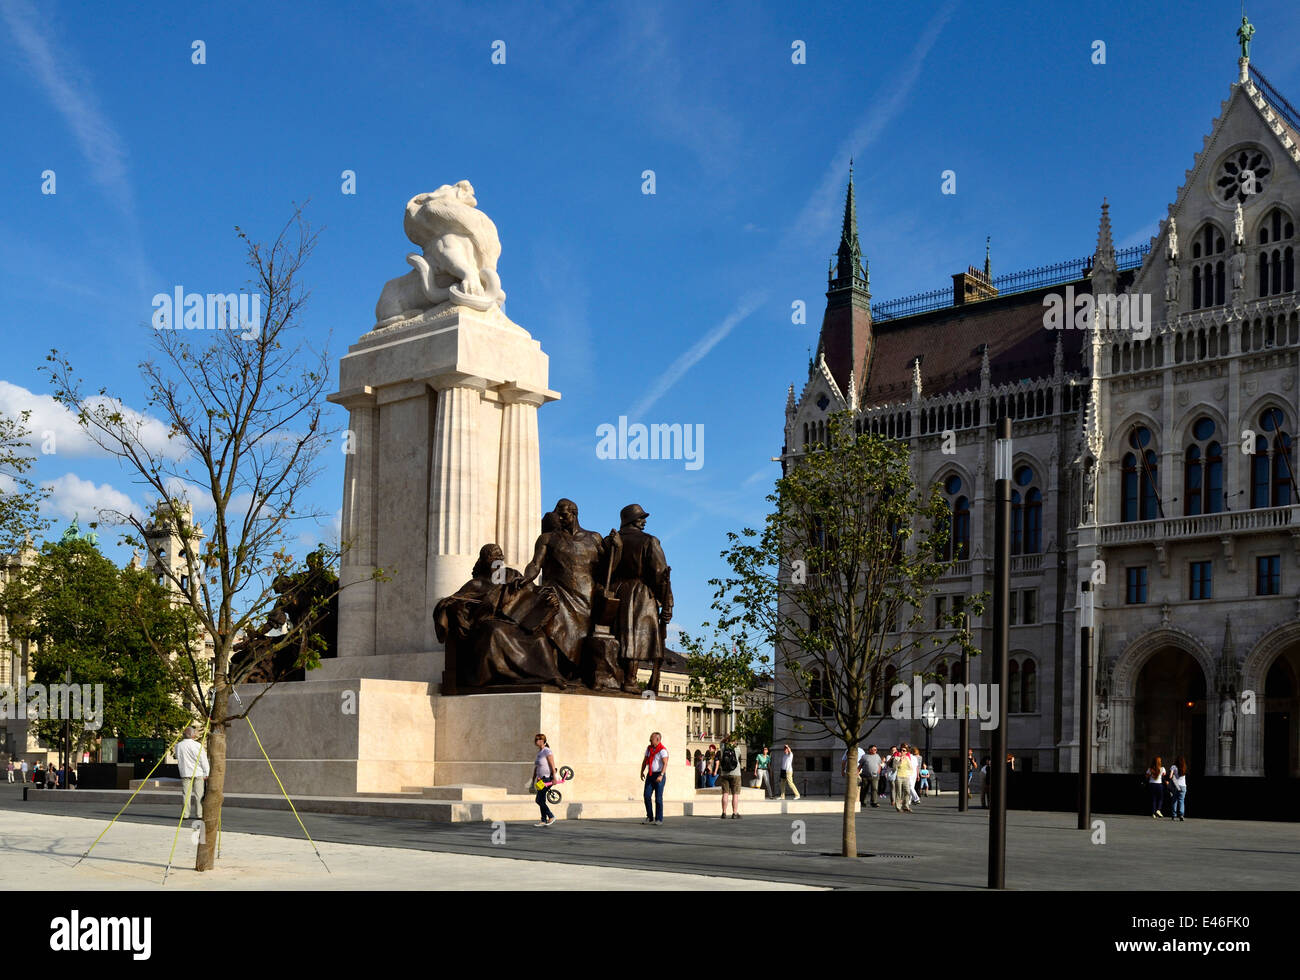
(459, 261)
(1238, 226)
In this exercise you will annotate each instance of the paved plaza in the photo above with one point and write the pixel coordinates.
(936, 847)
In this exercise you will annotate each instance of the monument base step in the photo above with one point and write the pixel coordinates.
(409, 806)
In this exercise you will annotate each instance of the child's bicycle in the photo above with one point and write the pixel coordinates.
(554, 795)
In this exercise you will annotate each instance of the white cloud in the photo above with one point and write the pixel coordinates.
(52, 424)
(71, 496)
(66, 86)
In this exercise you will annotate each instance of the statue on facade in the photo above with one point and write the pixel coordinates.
(1227, 717)
(640, 581)
(458, 258)
(495, 628)
(1244, 33)
(1239, 269)
(1103, 722)
(1238, 226)
(1171, 283)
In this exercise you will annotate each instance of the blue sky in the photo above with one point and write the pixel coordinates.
(672, 307)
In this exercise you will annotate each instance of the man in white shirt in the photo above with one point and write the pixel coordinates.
(787, 772)
(654, 771)
(193, 764)
(916, 771)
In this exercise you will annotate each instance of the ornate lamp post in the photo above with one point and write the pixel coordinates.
(929, 718)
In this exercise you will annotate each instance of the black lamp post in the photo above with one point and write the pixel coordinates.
(1085, 709)
(1001, 636)
(963, 722)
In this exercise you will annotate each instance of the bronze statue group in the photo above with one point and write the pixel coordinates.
(599, 612)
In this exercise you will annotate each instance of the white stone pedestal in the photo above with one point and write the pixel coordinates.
(364, 735)
(444, 459)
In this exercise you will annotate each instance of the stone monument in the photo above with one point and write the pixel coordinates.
(443, 456)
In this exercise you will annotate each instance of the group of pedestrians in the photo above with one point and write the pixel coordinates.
(895, 776)
(1167, 785)
(50, 777)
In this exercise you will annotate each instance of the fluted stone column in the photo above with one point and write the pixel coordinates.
(358, 531)
(1121, 733)
(519, 484)
(455, 472)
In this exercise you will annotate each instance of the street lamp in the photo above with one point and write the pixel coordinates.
(929, 718)
(1001, 636)
(1086, 613)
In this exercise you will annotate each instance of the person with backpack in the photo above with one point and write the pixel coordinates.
(728, 760)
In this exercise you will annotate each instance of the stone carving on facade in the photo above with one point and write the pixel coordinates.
(1171, 283)
(1182, 397)
(1238, 226)
(1238, 267)
(1165, 612)
(458, 261)
(1227, 717)
(1103, 722)
(1171, 241)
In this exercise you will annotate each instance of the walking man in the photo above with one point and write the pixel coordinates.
(871, 765)
(9, 770)
(24, 769)
(787, 772)
(654, 771)
(729, 775)
(193, 764)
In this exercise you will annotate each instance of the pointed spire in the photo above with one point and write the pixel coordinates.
(1105, 245)
(852, 395)
(988, 267)
(916, 378)
(789, 402)
(848, 264)
(1058, 355)
(986, 371)
(1229, 647)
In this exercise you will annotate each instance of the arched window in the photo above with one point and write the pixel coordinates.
(957, 544)
(1028, 687)
(1276, 254)
(1270, 469)
(1026, 514)
(1139, 473)
(1207, 267)
(1203, 471)
(1013, 685)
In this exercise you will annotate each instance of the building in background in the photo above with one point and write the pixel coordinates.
(1153, 456)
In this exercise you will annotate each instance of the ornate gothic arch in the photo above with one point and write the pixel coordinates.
(1267, 649)
(1143, 647)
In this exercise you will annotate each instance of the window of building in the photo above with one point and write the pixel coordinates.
(1270, 469)
(1202, 585)
(1207, 267)
(940, 612)
(1022, 685)
(1139, 475)
(1268, 575)
(957, 545)
(1135, 585)
(1276, 264)
(1013, 607)
(1023, 605)
(1026, 514)
(1203, 471)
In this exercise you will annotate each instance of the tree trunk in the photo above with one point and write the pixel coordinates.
(206, 858)
(850, 811)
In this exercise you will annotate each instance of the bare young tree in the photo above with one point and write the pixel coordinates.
(241, 403)
(835, 584)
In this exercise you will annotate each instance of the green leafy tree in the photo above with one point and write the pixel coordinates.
(91, 623)
(835, 583)
(242, 407)
(20, 498)
(735, 677)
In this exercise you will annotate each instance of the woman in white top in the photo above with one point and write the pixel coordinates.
(1178, 785)
(1156, 783)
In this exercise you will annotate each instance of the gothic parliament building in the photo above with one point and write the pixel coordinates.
(1157, 456)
